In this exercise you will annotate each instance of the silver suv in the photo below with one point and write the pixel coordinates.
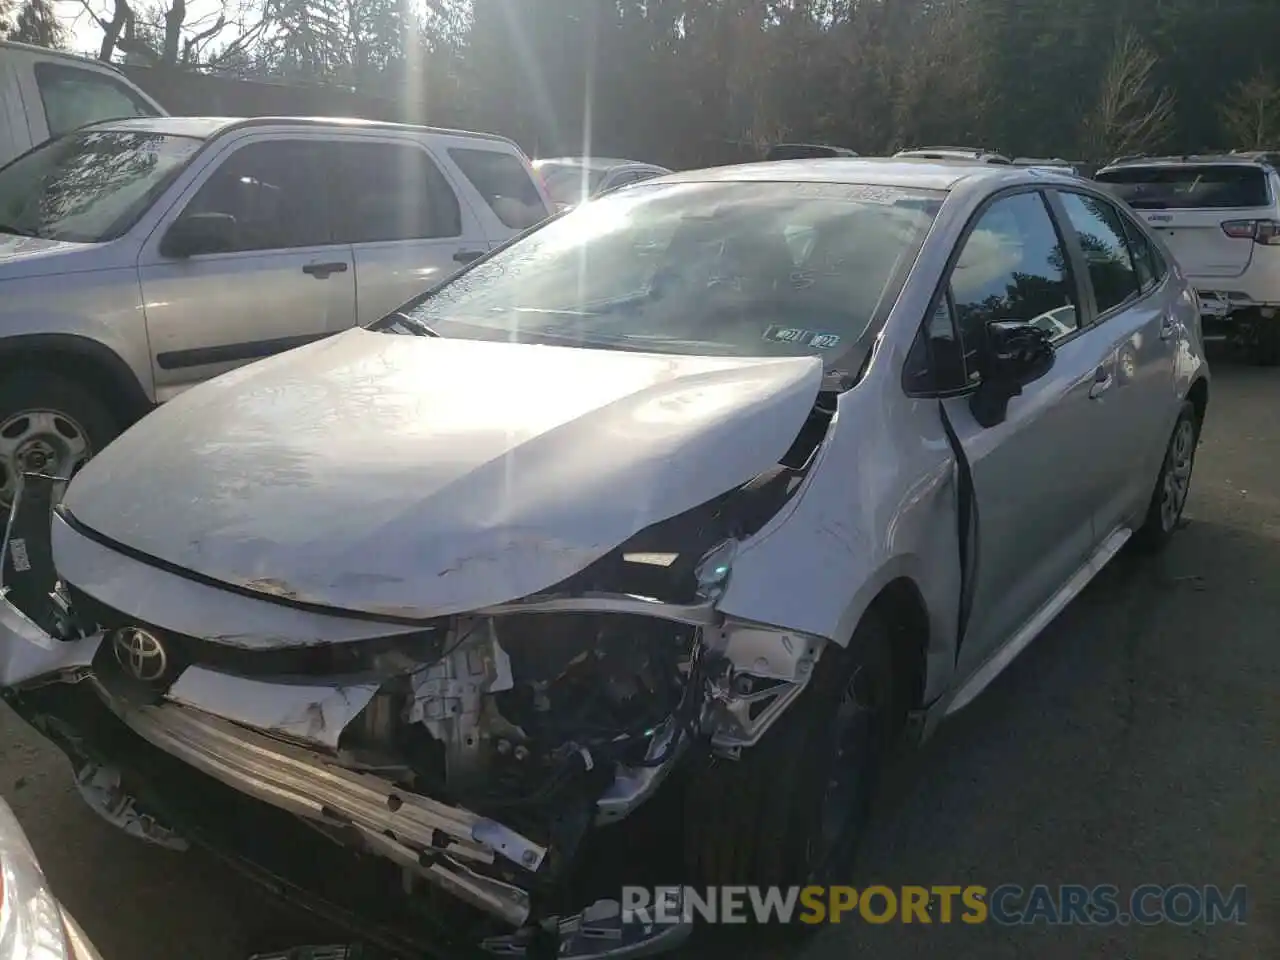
(140, 257)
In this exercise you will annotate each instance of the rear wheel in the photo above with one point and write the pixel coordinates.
(1173, 484)
(1265, 339)
(49, 425)
(792, 810)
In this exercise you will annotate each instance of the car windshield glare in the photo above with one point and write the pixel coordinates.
(91, 186)
(713, 268)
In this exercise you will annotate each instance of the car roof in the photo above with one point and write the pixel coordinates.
(596, 163)
(903, 172)
(205, 127)
(1252, 158)
(51, 54)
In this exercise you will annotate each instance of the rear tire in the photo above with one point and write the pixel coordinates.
(792, 809)
(1266, 340)
(48, 424)
(1173, 484)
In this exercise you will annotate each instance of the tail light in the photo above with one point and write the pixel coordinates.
(1266, 232)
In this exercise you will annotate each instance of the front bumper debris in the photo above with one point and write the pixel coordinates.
(406, 828)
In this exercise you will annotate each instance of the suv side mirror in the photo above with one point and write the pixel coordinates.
(1014, 355)
(199, 233)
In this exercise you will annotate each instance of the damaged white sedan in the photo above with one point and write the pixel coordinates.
(733, 475)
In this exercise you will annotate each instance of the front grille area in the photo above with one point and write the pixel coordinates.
(380, 655)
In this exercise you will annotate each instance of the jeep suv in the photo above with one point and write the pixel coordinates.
(143, 256)
(1220, 216)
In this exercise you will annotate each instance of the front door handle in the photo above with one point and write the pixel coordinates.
(467, 256)
(1102, 380)
(321, 271)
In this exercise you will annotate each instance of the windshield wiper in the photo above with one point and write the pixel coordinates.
(415, 324)
(17, 231)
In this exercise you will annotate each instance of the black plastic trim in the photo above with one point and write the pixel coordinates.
(232, 352)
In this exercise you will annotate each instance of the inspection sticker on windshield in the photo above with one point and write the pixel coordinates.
(801, 337)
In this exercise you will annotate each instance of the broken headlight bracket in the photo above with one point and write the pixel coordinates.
(757, 674)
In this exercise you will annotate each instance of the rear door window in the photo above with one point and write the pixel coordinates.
(505, 184)
(73, 97)
(1098, 227)
(1189, 186)
(392, 191)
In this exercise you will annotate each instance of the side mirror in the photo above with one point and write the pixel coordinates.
(199, 233)
(1014, 355)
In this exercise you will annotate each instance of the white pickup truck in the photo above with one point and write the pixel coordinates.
(45, 93)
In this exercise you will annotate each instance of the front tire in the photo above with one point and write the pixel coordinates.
(48, 424)
(792, 809)
(1173, 483)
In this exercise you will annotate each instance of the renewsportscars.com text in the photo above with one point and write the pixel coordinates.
(1007, 904)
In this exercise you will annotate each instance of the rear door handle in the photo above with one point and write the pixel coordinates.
(321, 271)
(1102, 380)
(467, 256)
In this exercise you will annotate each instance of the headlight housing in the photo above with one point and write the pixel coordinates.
(714, 568)
(31, 926)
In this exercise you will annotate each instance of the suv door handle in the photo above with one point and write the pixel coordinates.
(467, 256)
(1102, 381)
(321, 271)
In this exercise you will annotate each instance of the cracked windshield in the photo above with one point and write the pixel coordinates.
(612, 479)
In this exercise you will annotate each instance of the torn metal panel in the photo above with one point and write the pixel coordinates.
(29, 654)
(764, 671)
(351, 476)
(315, 712)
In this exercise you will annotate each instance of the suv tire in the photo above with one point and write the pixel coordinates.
(43, 413)
(760, 819)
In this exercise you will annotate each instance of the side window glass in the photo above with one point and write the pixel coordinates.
(504, 183)
(1013, 267)
(270, 190)
(1111, 270)
(1146, 260)
(73, 97)
(391, 191)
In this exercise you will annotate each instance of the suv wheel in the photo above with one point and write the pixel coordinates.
(48, 424)
(1173, 484)
(1265, 341)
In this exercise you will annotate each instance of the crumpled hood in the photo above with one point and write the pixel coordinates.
(418, 477)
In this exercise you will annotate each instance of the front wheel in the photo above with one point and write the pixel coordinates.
(791, 811)
(48, 425)
(1173, 484)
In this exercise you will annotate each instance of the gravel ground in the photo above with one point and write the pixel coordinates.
(1135, 742)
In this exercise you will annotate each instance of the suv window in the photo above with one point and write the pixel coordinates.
(1189, 186)
(1106, 251)
(505, 185)
(272, 190)
(73, 96)
(392, 191)
(1013, 267)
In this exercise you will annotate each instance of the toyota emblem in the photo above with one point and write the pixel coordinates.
(140, 654)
